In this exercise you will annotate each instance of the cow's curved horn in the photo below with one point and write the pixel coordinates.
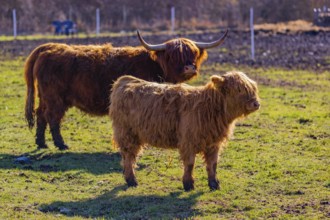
(203, 45)
(154, 47)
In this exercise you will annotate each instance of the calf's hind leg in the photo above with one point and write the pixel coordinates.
(129, 155)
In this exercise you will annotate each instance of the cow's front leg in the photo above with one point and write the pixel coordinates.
(211, 160)
(187, 179)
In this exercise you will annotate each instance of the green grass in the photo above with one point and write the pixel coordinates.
(276, 166)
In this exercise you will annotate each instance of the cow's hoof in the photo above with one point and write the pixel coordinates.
(188, 186)
(131, 182)
(214, 184)
(62, 147)
(42, 146)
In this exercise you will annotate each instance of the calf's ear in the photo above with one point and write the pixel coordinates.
(217, 80)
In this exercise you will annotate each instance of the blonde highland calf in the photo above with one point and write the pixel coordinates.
(191, 119)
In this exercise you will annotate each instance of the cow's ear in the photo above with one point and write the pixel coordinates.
(202, 56)
(217, 80)
(153, 55)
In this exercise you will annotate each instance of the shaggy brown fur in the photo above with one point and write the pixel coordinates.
(81, 76)
(191, 119)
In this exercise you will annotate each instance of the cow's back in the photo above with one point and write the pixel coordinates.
(78, 74)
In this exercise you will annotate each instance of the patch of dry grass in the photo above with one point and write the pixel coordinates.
(291, 26)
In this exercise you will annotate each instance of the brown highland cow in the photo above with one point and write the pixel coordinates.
(75, 75)
(191, 119)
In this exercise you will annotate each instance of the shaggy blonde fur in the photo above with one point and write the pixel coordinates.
(191, 119)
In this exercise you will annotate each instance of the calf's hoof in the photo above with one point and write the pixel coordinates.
(214, 184)
(188, 186)
(131, 182)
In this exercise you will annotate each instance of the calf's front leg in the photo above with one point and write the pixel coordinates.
(187, 179)
(211, 160)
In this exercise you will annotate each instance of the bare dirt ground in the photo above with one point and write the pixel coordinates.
(300, 50)
(293, 45)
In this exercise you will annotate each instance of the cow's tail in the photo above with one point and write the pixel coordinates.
(30, 88)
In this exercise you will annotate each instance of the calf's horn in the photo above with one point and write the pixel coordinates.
(203, 45)
(154, 47)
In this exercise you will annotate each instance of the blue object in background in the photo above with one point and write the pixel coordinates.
(58, 27)
(66, 27)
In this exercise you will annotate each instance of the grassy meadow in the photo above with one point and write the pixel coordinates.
(277, 164)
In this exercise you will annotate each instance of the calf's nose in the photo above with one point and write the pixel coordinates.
(256, 104)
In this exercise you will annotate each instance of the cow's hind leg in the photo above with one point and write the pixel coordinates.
(188, 163)
(54, 115)
(41, 128)
(211, 160)
(57, 137)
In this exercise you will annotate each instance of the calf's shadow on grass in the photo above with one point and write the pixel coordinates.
(111, 205)
(95, 163)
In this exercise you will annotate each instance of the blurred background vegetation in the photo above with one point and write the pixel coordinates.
(34, 16)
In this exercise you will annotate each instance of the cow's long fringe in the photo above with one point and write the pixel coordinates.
(186, 53)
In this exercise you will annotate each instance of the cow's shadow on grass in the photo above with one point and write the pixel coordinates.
(113, 205)
(43, 161)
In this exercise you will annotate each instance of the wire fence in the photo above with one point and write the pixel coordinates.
(68, 17)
